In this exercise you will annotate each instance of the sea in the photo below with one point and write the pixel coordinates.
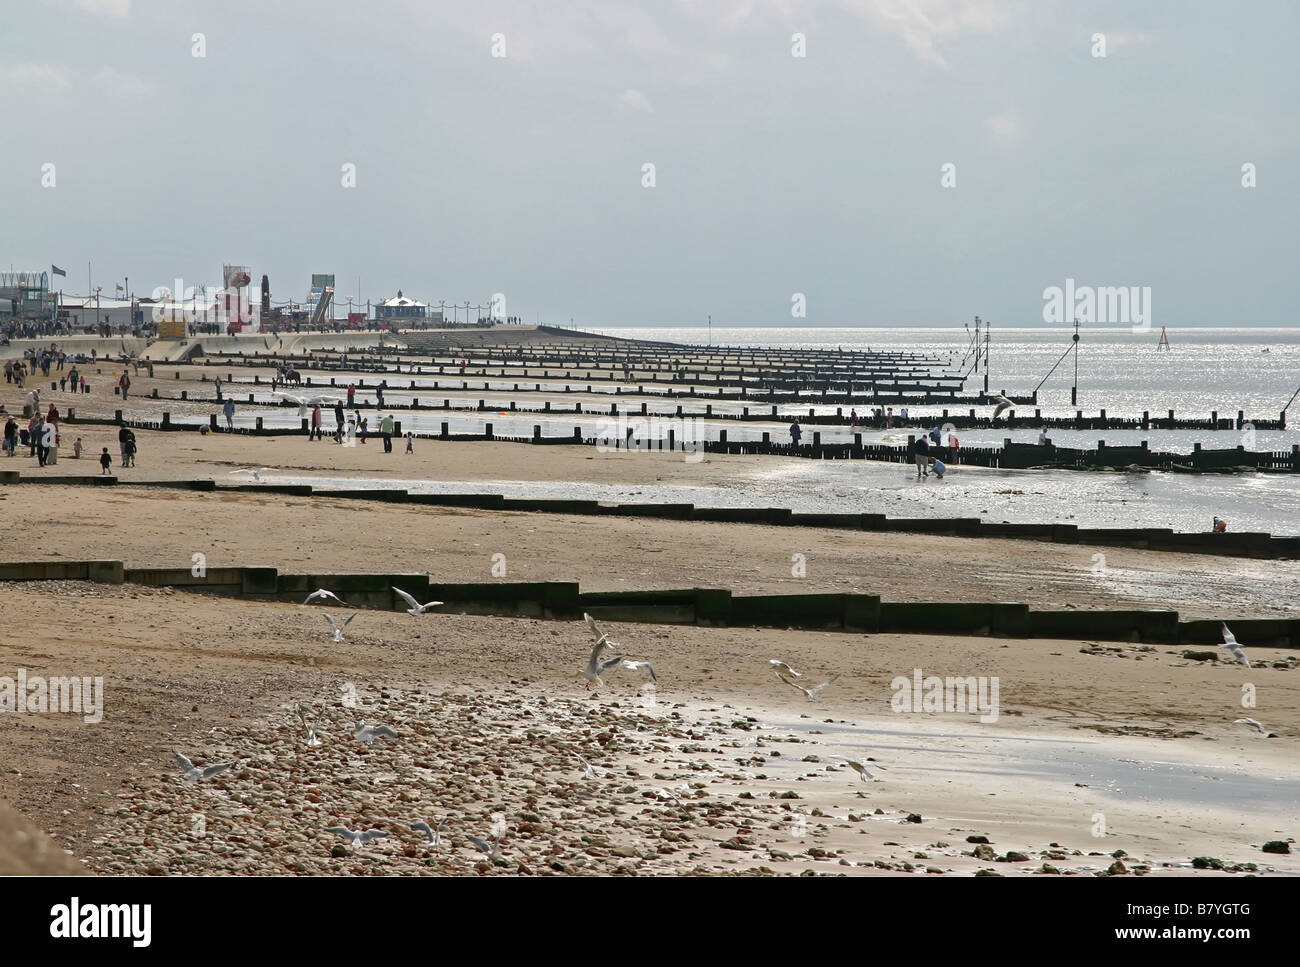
(1254, 370)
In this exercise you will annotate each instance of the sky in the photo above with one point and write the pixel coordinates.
(457, 151)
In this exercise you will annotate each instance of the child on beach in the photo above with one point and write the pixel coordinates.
(410, 442)
(105, 461)
(76, 449)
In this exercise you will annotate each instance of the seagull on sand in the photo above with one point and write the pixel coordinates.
(487, 846)
(588, 771)
(1230, 642)
(810, 693)
(257, 473)
(416, 609)
(595, 667)
(313, 740)
(1258, 726)
(638, 665)
(355, 836)
(1003, 404)
(194, 774)
(781, 666)
(368, 733)
(435, 835)
(322, 594)
(338, 629)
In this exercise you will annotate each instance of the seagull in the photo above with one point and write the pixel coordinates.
(338, 629)
(355, 836)
(324, 595)
(489, 847)
(595, 667)
(781, 666)
(813, 692)
(859, 768)
(602, 639)
(1258, 725)
(1230, 642)
(638, 665)
(257, 474)
(415, 608)
(368, 733)
(313, 740)
(194, 774)
(1003, 404)
(587, 769)
(435, 835)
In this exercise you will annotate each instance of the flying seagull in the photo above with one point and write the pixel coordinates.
(313, 740)
(355, 836)
(638, 665)
(322, 594)
(595, 667)
(602, 639)
(1257, 725)
(194, 774)
(487, 846)
(810, 693)
(257, 474)
(781, 666)
(1003, 404)
(415, 608)
(338, 629)
(1230, 642)
(859, 768)
(435, 835)
(368, 733)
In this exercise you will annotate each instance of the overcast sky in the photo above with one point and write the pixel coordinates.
(774, 174)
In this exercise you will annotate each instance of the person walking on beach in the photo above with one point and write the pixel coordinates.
(11, 436)
(922, 451)
(338, 419)
(352, 393)
(379, 397)
(314, 432)
(125, 385)
(795, 433)
(229, 410)
(122, 435)
(386, 429)
(128, 450)
(410, 442)
(218, 385)
(105, 461)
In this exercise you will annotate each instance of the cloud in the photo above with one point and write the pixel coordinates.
(34, 78)
(116, 84)
(1005, 128)
(1115, 39)
(922, 25)
(109, 8)
(637, 101)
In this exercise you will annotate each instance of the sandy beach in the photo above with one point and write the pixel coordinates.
(720, 768)
(1100, 752)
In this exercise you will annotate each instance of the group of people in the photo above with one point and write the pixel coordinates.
(355, 426)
